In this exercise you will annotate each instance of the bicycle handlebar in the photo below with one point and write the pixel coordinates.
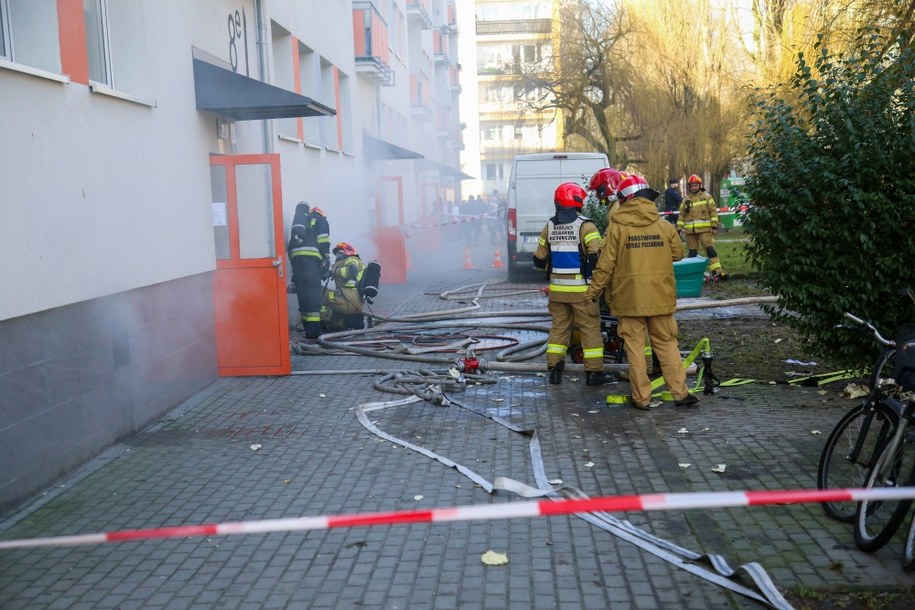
(877, 336)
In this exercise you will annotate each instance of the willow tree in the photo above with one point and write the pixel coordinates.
(774, 32)
(687, 98)
(650, 86)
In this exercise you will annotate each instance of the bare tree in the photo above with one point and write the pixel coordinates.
(586, 79)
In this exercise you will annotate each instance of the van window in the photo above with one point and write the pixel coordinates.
(537, 167)
(581, 167)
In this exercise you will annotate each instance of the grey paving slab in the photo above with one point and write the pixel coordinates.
(265, 448)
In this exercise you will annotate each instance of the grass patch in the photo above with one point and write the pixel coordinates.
(731, 247)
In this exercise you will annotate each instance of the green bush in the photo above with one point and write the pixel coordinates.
(833, 194)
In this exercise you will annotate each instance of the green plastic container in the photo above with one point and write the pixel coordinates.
(726, 219)
(690, 274)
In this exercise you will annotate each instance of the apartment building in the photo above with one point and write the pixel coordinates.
(153, 152)
(510, 34)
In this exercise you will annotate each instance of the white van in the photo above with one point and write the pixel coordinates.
(533, 181)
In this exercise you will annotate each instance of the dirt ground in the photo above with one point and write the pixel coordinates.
(751, 347)
(757, 348)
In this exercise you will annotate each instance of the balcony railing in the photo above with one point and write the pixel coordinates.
(440, 46)
(515, 26)
(419, 9)
(454, 73)
(420, 94)
(370, 40)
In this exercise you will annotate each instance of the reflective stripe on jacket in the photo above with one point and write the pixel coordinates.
(311, 239)
(348, 272)
(565, 249)
(568, 281)
(698, 213)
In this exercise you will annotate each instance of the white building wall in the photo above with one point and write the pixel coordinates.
(100, 194)
(106, 223)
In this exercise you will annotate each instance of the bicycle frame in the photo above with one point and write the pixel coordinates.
(855, 454)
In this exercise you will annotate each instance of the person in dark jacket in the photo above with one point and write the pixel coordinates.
(309, 253)
(672, 199)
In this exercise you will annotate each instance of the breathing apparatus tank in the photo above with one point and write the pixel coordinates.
(371, 277)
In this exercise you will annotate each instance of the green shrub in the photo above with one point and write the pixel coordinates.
(833, 194)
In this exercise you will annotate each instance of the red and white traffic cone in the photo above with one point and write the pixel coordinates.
(497, 259)
(468, 262)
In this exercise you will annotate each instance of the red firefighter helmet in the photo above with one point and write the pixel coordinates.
(605, 181)
(569, 195)
(629, 187)
(694, 179)
(346, 248)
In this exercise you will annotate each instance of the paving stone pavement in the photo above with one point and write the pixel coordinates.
(196, 465)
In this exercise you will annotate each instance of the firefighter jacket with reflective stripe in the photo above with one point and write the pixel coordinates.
(567, 245)
(635, 268)
(347, 272)
(310, 239)
(345, 298)
(698, 213)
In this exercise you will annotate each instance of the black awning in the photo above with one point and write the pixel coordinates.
(427, 165)
(238, 97)
(376, 149)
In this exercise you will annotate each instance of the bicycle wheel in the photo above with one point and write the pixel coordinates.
(908, 549)
(850, 451)
(877, 520)
(883, 369)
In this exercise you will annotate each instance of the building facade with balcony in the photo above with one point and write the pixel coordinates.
(153, 155)
(509, 35)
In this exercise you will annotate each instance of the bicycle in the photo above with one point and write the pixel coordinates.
(876, 521)
(860, 435)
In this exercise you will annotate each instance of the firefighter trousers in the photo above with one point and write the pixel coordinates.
(706, 241)
(662, 331)
(306, 274)
(586, 317)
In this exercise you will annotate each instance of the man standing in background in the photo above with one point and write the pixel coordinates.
(672, 199)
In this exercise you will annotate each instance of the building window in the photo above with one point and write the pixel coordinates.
(308, 77)
(28, 33)
(493, 171)
(344, 110)
(115, 43)
(327, 96)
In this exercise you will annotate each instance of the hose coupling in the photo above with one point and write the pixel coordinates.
(469, 364)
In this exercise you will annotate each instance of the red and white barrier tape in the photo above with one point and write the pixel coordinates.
(507, 510)
(454, 221)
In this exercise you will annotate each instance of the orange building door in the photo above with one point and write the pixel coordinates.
(249, 287)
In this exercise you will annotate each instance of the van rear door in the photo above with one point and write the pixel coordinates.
(536, 182)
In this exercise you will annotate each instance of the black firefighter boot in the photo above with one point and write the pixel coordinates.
(556, 372)
(598, 378)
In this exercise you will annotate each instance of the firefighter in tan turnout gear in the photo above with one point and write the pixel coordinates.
(635, 271)
(568, 248)
(341, 308)
(698, 220)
